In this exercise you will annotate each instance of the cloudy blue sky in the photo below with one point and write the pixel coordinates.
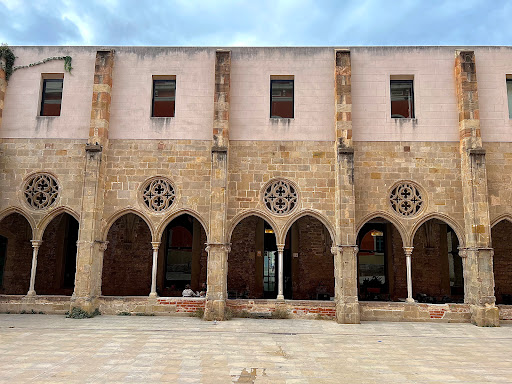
(256, 22)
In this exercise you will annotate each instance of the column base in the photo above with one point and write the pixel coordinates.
(410, 300)
(215, 310)
(31, 294)
(348, 313)
(153, 295)
(88, 304)
(280, 297)
(485, 315)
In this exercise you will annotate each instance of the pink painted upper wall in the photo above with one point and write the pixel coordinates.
(435, 104)
(313, 74)
(493, 64)
(132, 93)
(21, 118)
(432, 70)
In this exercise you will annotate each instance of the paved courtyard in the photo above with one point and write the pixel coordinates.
(53, 349)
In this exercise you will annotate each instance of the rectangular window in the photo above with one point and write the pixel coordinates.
(509, 97)
(164, 96)
(51, 97)
(281, 97)
(402, 99)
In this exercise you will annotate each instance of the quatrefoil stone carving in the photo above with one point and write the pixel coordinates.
(406, 200)
(280, 197)
(158, 194)
(41, 191)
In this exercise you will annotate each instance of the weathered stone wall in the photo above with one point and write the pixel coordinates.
(499, 179)
(435, 166)
(309, 164)
(131, 162)
(127, 261)
(502, 265)
(19, 255)
(443, 313)
(296, 309)
(21, 157)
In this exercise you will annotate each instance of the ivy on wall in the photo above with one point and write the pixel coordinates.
(8, 55)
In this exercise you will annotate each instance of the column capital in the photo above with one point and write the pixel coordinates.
(280, 247)
(36, 243)
(408, 251)
(464, 251)
(102, 245)
(155, 245)
(226, 247)
(340, 248)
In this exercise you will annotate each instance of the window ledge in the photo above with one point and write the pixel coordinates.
(403, 120)
(46, 117)
(162, 117)
(283, 119)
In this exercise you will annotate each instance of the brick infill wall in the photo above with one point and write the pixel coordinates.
(505, 313)
(393, 311)
(301, 309)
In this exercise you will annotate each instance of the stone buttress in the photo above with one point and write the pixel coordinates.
(90, 247)
(217, 247)
(3, 86)
(477, 254)
(345, 249)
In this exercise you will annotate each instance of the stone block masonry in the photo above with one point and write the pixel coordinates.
(350, 156)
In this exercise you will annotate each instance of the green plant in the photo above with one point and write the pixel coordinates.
(79, 313)
(124, 314)
(199, 312)
(8, 55)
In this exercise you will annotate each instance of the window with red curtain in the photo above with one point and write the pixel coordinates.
(281, 99)
(52, 97)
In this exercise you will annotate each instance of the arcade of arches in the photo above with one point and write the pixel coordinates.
(308, 264)
(56, 257)
(436, 267)
(128, 260)
(437, 273)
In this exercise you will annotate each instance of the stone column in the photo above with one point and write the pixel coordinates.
(217, 248)
(89, 254)
(3, 87)
(345, 281)
(35, 250)
(280, 277)
(154, 269)
(478, 270)
(217, 280)
(408, 253)
(345, 249)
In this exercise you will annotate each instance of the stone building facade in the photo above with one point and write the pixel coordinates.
(346, 183)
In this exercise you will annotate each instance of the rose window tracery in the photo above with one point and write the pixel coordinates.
(41, 191)
(280, 197)
(406, 199)
(158, 195)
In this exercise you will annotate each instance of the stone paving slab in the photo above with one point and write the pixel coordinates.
(114, 349)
